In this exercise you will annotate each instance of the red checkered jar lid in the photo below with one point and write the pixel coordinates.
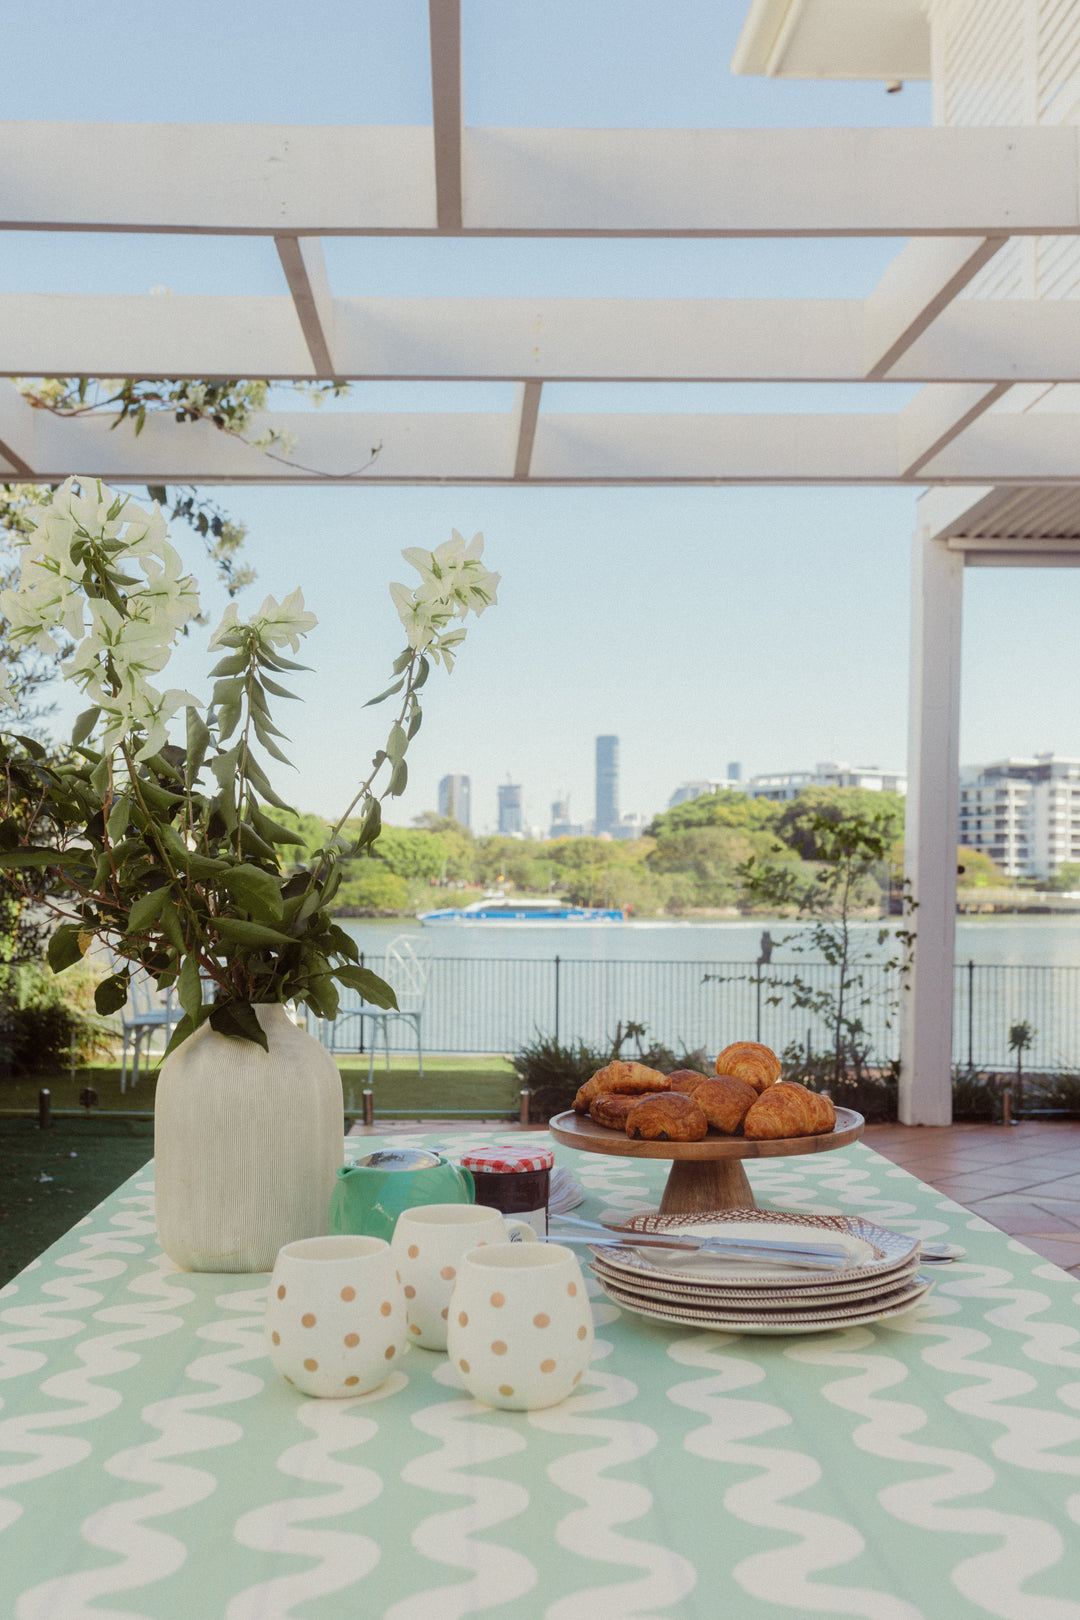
(507, 1160)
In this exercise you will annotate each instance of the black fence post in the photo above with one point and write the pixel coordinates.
(971, 1013)
(361, 1045)
(556, 1000)
(757, 999)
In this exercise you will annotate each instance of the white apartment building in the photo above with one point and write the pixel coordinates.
(1023, 813)
(780, 786)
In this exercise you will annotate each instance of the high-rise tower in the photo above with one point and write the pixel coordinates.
(607, 784)
(510, 807)
(454, 798)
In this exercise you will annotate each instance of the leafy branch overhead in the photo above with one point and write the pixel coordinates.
(170, 853)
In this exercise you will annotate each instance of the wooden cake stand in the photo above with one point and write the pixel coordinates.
(706, 1174)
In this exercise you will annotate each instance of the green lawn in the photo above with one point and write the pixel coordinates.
(479, 1087)
(49, 1179)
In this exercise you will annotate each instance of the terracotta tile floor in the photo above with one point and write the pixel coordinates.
(1024, 1179)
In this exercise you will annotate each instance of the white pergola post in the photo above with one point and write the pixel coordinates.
(931, 829)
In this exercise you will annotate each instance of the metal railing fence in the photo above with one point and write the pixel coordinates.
(485, 1005)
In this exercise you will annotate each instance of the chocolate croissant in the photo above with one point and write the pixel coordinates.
(619, 1076)
(674, 1118)
(725, 1102)
(611, 1107)
(686, 1080)
(750, 1061)
(788, 1109)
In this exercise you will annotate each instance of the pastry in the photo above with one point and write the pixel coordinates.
(725, 1102)
(750, 1061)
(619, 1076)
(788, 1109)
(674, 1118)
(611, 1107)
(686, 1080)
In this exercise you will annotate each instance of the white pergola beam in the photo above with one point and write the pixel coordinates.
(1039, 447)
(922, 280)
(304, 264)
(582, 448)
(16, 432)
(508, 339)
(105, 335)
(444, 27)
(938, 415)
(996, 340)
(307, 180)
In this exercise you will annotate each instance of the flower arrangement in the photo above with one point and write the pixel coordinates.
(171, 855)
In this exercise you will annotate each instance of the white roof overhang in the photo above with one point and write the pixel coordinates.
(835, 39)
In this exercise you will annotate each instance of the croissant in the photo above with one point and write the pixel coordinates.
(611, 1107)
(788, 1109)
(674, 1118)
(619, 1076)
(750, 1061)
(725, 1102)
(686, 1080)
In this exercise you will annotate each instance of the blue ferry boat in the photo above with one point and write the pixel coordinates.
(500, 909)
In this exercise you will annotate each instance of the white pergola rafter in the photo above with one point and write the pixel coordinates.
(303, 180)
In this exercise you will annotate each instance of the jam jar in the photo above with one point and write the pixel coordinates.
(515, 1180)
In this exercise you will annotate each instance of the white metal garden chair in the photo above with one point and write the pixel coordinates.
(145, 1014)
(406, 970)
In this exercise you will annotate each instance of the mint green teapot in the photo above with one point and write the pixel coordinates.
(369, 1195)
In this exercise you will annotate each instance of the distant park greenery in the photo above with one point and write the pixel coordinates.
(690, 860)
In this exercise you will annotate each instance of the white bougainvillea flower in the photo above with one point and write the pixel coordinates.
(113, 648)
(278, 624)
(229, 623)
(453, 583)
(144, 711)
(453, 574)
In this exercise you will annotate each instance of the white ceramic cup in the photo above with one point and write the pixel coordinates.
(427, 1246)
(520, 1329)
(335, 1315)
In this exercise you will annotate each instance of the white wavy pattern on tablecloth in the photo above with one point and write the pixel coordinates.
(780, 1576)
(834, 1185)
(342, 1556)
(145, 1555)
(467, 1437)
(590, 1531)
(1023, 1545)
(65, 1315)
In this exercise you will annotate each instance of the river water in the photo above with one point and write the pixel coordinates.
(495, 987)
(1019, 941)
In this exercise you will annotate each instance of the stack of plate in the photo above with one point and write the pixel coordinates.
(746, 1296)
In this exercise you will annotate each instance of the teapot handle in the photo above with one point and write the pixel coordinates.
(469, 1182)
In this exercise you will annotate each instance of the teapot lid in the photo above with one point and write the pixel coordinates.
(400, 1159)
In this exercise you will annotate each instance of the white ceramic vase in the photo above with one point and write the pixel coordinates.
(247, 1145)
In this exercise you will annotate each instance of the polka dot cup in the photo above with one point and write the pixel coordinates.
(520, 1331)
(335, 1315)
(427, 1246)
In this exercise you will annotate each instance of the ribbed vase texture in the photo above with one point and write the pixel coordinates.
(246, 1145)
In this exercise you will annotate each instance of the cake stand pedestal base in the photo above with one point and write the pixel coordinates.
(695, 1185)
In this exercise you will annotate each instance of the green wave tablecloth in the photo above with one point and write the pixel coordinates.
(152, 1464)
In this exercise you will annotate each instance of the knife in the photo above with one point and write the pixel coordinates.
(822, 1258)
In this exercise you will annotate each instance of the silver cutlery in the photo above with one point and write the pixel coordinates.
(809, 1256)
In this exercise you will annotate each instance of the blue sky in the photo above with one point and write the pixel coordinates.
(701, 626)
